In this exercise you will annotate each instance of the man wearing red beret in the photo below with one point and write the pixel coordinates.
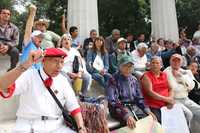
(35, 100)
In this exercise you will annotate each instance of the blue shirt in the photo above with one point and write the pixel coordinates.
(75, 42)
(25, 54)
(149, 55)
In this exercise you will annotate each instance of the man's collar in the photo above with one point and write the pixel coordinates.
(6, 25)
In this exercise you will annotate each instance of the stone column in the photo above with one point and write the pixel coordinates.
(84, 15)
(164, 19)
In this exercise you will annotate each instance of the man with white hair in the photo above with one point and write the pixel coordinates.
(197, 34)
(32, 40)
(181, 82)
(140, 59)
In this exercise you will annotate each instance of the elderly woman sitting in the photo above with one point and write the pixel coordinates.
(124, 88)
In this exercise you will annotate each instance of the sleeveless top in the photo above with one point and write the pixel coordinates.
(160, 86)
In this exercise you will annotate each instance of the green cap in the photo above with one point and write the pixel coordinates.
(125, 59)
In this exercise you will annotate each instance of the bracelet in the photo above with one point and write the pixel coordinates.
(22, 68)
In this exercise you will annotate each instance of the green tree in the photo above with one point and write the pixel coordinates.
(126, 15)
(188, 15)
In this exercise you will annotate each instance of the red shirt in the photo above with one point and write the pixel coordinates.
(160, 86)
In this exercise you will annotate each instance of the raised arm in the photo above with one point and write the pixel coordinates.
(29, 24)
(63, 26)
(9, 77)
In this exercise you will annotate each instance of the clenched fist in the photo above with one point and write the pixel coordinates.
(32, 9)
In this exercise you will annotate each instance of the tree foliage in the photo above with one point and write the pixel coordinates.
(126, 15)
(188, 14)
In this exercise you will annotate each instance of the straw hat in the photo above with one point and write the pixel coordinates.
(42, 21)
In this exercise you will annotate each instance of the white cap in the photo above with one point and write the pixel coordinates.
(37, 33)
(142, 45)
(121, 39)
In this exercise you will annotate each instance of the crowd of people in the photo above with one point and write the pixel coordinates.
(150, 74)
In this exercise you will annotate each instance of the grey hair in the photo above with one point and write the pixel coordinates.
(93, 30)
(156, 58)
(115, 30)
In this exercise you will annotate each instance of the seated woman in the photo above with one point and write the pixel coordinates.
(124, 88)
(156, 90)
(97, 62)
(68, 65)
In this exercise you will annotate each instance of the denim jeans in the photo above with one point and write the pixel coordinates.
(87, 81)
(101, 79)
(14, 57)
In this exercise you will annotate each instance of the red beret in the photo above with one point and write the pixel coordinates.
(54, 52)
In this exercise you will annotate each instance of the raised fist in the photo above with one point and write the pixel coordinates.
(32, 8)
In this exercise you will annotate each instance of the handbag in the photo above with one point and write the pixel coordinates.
(98, 63)
(75, 64)
(94, 112)
(68, 119)
(77, 85)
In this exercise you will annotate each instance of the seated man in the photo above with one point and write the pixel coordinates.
(124, 88)
(42, 115)
(9, 37)
(181, 82)
(156, 90)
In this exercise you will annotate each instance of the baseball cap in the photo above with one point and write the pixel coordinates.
(125, 59)
(176, 56)
(37, 33)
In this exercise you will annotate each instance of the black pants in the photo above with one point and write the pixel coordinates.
(13, 52)
(157, 113)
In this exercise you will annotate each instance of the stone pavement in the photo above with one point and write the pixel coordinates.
(7, 107)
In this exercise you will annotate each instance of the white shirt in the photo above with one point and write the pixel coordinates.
(197, 35)
(139, 62)
(36, 101)
(180, 86)
(68, 61)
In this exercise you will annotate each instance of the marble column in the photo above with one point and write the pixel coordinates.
(84, 15)
(164, 19)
